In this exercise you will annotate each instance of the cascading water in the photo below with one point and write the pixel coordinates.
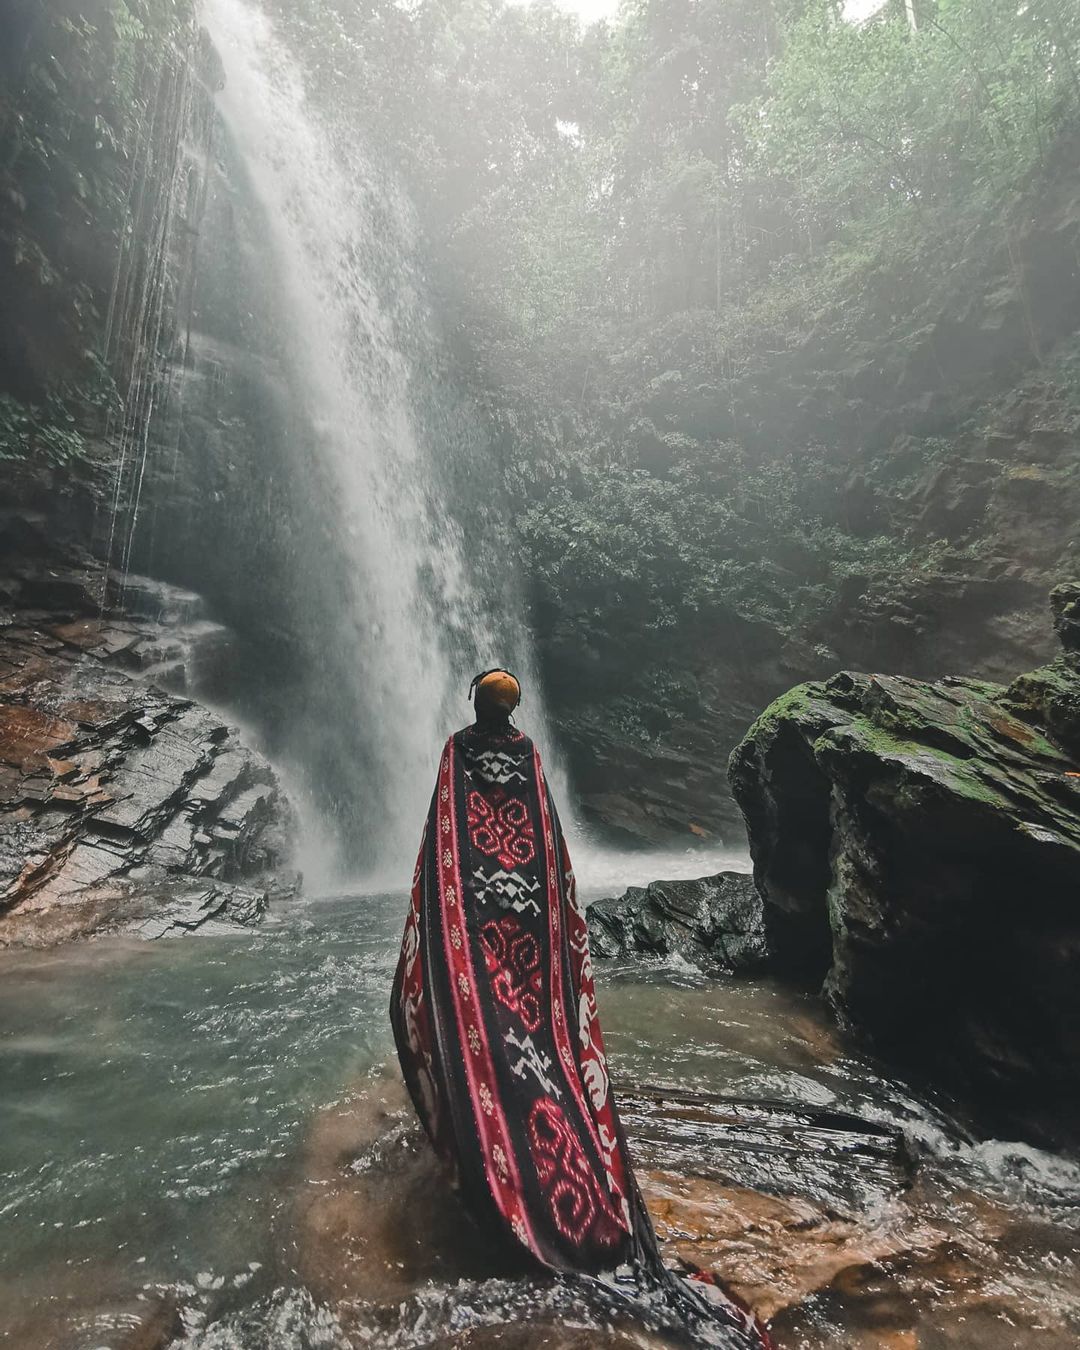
(416, 625)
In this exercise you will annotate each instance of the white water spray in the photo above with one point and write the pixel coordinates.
(415, 621)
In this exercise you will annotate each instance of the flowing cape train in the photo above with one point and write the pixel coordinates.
(494, 1015)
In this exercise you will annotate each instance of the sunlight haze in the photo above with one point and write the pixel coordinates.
(592, 11)
(629, 449)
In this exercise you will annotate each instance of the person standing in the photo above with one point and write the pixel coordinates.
(495, 1020)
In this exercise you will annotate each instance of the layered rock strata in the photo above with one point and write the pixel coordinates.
(122, 804)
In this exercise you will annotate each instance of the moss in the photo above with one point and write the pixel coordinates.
(1057, 679)
(963, 775)
(1051, 696)
(987, 689)
(974, 739)
(788, 707)
(1029, 738)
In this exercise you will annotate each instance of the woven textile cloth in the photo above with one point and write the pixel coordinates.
(494, 1015)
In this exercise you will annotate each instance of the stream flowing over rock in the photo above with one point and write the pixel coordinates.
(714, 923)
(918, 846)
(123, 805)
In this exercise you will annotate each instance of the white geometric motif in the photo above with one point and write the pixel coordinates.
(571, 891)
(496, 766)
(596, 1079)
(532, 1061)
(410, 944)
(508, 890)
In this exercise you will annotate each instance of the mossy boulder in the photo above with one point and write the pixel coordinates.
(917, 848)
(1051, 695)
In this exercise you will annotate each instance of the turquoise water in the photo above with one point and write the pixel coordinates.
(154, 1094)
(157, 1100)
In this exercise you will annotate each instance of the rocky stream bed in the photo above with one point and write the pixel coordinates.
(229, 1163)
(204, 1143)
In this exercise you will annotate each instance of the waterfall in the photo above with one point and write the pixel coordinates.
(417, 625)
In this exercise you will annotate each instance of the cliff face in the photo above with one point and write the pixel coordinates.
(943, 414)
(120, 795)
(123, 805)
(946, 425)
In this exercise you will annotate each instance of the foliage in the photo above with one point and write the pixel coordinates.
(673, 251)
(55, 432)
(79, 85)
(29, 433)
(691, 263)
(860, 122)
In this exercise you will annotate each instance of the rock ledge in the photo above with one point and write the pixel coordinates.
(119, 800)
(714, 923)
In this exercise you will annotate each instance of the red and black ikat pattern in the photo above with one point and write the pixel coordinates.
(494, 1015)
(501, 830)
(512, 956)
(573, 1194)
(467, 997)
(512, 1071)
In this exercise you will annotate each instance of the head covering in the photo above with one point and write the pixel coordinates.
(495, 693)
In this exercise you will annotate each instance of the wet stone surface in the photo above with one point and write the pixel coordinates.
(211, 908)
(232, 1164)
(913, 836)
(715, 923)
(116, 795)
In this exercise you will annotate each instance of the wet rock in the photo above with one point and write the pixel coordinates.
(1051, 695)
(180, 906)
(382, 1242)
(120, 803)
(363, 1241)
(842, 1163)
(638, 786)
(882, 1257)
(147, 1322)
(774, 1252)
(650, 793)
(714, 923)
(944, 1286)
(917, 845)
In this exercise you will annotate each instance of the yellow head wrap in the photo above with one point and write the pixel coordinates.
(497, 691)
